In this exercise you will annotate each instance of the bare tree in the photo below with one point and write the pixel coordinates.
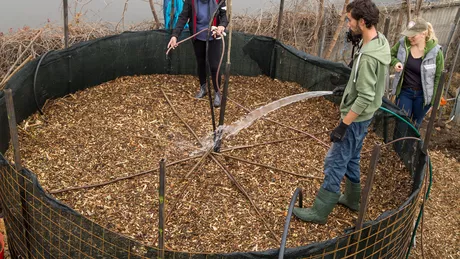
(399, 24)
(408, 11)
(122, 20)
(318, 22)
(337, 30)
(418, 7)
(155, 16)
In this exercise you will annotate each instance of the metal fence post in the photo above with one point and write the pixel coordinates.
(66, 23)
(430, 126)
(445, 51)
(280, 20)
(161, 223)
(171, 15)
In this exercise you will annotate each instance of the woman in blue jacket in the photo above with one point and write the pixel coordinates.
(198, 14)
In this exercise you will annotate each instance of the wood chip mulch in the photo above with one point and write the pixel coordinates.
(438, 234)
(126, 126)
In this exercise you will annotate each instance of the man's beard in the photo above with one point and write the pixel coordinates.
(358, 32)
(353, 37)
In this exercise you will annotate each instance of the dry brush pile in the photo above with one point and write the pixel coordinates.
(20, 46)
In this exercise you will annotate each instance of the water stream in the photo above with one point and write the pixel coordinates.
(246, 121)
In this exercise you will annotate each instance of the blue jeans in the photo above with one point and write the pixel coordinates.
(343, 157)
(411, 101)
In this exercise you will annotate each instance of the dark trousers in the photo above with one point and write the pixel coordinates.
(412, 102)
(214, 54)
(343, 158)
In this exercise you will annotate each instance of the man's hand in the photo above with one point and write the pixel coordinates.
(398, 67)
(338, 134)
(338, 91)
(172, 43)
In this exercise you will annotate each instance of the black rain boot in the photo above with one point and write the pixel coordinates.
(203, 91)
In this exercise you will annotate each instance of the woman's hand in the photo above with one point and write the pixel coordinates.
(219, 31)
(398, 67)
(172, 43)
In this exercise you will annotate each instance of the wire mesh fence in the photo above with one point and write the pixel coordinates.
(39, 226)
(305, 26)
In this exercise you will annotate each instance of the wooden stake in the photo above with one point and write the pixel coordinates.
(18, 166)
(368, 187)
(13, 129)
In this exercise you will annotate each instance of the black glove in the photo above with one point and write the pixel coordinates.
(338, 91)
(338, 134)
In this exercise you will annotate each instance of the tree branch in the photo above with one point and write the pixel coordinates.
(155, 16)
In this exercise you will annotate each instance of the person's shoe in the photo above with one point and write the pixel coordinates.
(352, 195)
(322, 207)
(203, 91)
(217, 99)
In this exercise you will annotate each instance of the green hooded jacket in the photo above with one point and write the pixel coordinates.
(369, 75)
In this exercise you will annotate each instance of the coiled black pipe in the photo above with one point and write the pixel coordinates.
(297, 192)
(208, 68)
(35, 80)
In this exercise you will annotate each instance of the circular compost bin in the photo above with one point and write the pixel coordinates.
(40, 226)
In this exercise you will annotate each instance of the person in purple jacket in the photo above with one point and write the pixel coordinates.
(199, 13)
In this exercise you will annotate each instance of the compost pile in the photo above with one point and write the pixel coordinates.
(126, 126)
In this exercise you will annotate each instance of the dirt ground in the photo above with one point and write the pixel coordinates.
(441, 222)
(447, 140)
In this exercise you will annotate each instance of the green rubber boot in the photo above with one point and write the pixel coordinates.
(323, 205)
(352, 195)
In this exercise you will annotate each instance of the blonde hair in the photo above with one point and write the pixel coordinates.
(430, 33)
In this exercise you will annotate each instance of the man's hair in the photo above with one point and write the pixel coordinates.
(365, 9)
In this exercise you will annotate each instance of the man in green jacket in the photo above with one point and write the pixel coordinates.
(361, 98)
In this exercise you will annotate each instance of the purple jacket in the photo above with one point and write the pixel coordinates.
(189, 14)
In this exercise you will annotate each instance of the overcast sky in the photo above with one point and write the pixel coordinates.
(18, 13)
